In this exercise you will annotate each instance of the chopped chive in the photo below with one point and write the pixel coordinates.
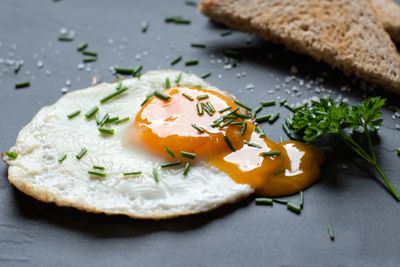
(113, 95)
(111, 120)
(81, 153)
(155, 175)
(292, 207)
(257, 110)
(288, 121)
(201, 97)
(188, 96)
(331, 233)
(199, 108)
(231, 53)
(18, 67)
(282, 102)
(289, 107)
(233, 111)
(104, 120)
(176, 60)
(281, 139)
(100, 174)
(288, 132)
(219, 120)
(91, 112)
(171, 164)
(260, 131)
(242, 105)
(147, 99)
(210, 106)
(82, 46)
(207, 109)
(280, 201)
(198, 45)
(243, 130)
(65, 39)
(300, 107)
(145, 26)
(161, 96)
(188, 155)
(123, 71)
(224, 109)
(242, 116)
(263, 118)
(264, 201)
(271, 153)
(89, 53)
(106, 131)
(273, 118)
(178, 79)
(22, 85)
(398, 152)
(279, 171)
(208, 74)
(62, 158)
(231, 117)
(132, 173)
(252, 144)
(98, 167)
(301, 199)
(226, 33)
(122, 120)
(177, 20)
(186, 169)
(169, 151)
(167, 83)
(136, 72)
(192, 62)
(190, 3)
(198, 128)
(89, 59)
(268, 103)
(97, 119)
(73, 114)
(229, 143)
(237, 123)
(11, 155)
(226, 123)
(119, 85)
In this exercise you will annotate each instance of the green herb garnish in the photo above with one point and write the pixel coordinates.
(243, 129)
(293, 207)
(91, 112)
(199, 107)
(198, 128)
(198, 45)
(177, 20)
(268, 103)
(257, 110)
(188, 155)
(106, 131)
(89, 59)
(82, 46)
(161, 96)
(270, 153)
(242, 105)
(190, 3)
(169, 151)
(192, 62)
(100, 174)
(155, 175)
(11, 155)
(171, 164)
(176, 60)
(260, 131)
(178, 79)
(207, 109)
(113, 95)
(226, 123)
(22, 85)
(264, 201)
(167, 83)
(226, 33)
(65, 39)
(186, 169)
(263, 118)
(62, 158)
(98, 167)
(252, 144)
(231, 53)
(145, 26)
(201, 97)
(132, 173)
(273, 118)
(229, 143)
(89, 53)
(81, 153)
(122, 120)
(124, 71)
(188, 96)
(398, 152)
(301, 199)
(73, 114)
(104, 120)
(282, 102)
(206, 75)
(224, 109)
(331, 233)
(280, 201)
(18, 67)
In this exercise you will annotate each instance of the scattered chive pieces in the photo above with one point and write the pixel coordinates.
(171, 164)
(210, 106)
(65, 39)
(119, 85)
(224, 109)
(273, 118)
(104, 120)
(260, 131)
(233, 111)
(132, 173)
(301, 199)
(199, 108)
(91, 112)
(106, 131)
(398, 152)
(252, 144)
(145, 26)
(62, 158)
(263, 118)
(113, 95)
(281, 139)
(94, 173)
(198, 45)
(178, 79)
(81, 153)
(176, 60)
(198, 128)
(279, 172)
(207, 109)
(188, 96)
(280, 201)
(177, 20)
(268, 103)
(282, 102)
(124, 71)
(226, 123)
(264, 201)
(331, 234)
(82, 46)
(22, 85)
(167, 83)
(289, 107)
(257, 110)
(147, 99)
(122, 120)
(155, 175)
(190, 3)
(243, 130)
(229, 143)
(226, 33)
(89, 53)
(237, 123)
(242, 105)
(242, 116)
(136, 72)
(186, 169)
(169, 151)
(98, 167)
(300, 107)
(111, 120)
(188, 155)
(206, 75)
(192, 62)
(231, 53)
(201, 97)
(89, 59)
(73, 114)
(271, 153)
(11, 155)
(18, 67)
(162, 96)
(292, 207)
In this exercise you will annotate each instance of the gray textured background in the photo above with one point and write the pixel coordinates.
(364, 216)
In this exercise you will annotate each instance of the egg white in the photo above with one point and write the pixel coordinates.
(51, 134)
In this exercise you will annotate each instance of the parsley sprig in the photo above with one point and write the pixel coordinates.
(327, 116)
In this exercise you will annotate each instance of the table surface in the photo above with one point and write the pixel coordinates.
(350, 196)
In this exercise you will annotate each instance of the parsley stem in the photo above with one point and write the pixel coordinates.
(388, 183)
(371, 147)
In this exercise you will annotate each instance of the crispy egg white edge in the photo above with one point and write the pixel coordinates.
(51, 134)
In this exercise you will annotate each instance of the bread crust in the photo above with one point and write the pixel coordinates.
(388, 13)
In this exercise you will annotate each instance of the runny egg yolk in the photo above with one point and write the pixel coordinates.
(170, 123)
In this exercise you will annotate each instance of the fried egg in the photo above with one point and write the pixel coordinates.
(182, 151)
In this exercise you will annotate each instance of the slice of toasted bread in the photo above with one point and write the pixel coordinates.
(389, 14)
(343, 33)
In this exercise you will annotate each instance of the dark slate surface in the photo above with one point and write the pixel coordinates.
(364, 216)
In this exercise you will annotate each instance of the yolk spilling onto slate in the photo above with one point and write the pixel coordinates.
(161, 124)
